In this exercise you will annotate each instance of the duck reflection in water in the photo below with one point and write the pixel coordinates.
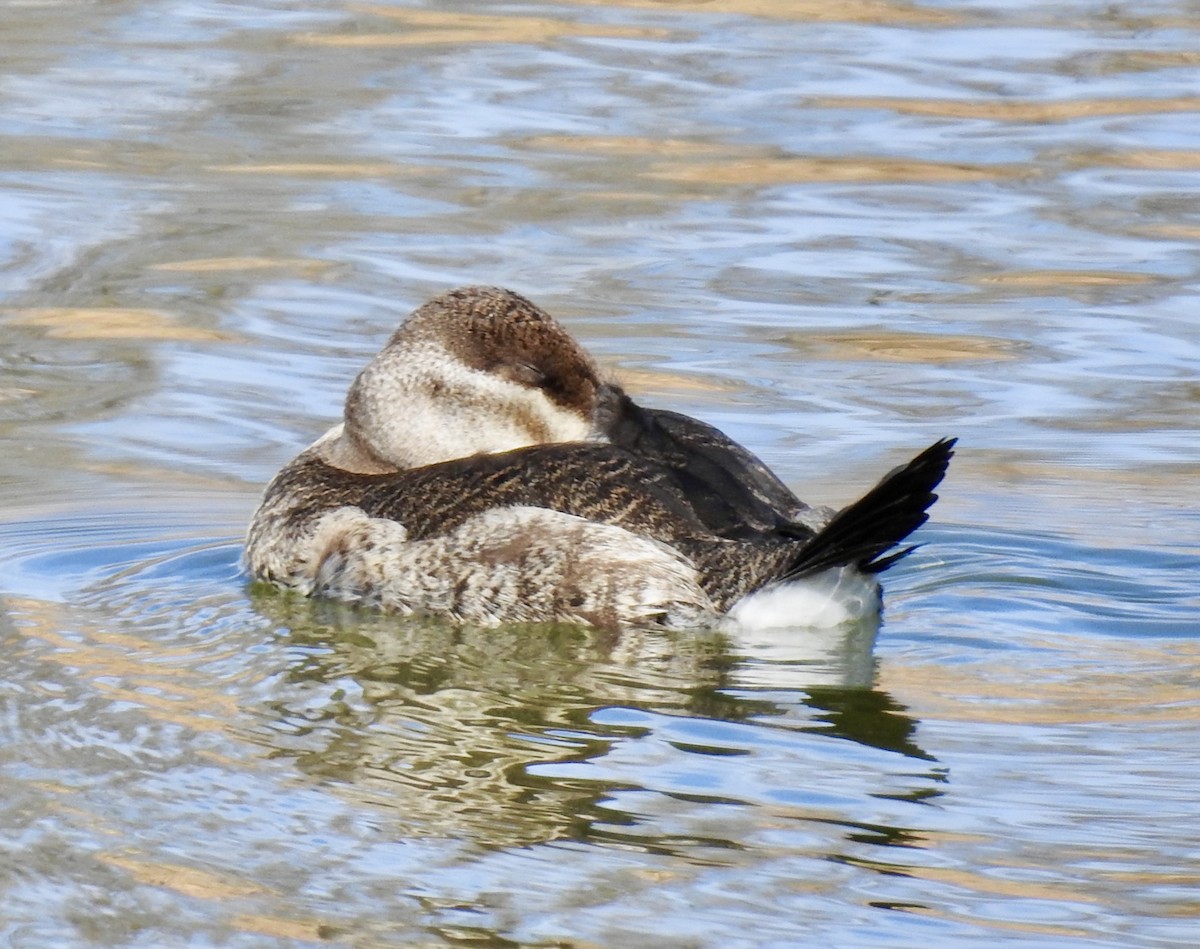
(517, 734)
(485, 473)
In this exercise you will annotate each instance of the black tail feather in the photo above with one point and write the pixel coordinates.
(863, 533)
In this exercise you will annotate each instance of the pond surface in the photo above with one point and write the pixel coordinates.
(838, 231)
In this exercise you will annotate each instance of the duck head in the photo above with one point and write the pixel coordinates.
(480, 369)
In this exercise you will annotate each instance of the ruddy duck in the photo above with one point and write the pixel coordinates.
(485, 472)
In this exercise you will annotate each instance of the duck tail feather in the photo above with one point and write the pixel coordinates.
(864, 533)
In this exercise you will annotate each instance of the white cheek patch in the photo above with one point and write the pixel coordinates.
(562, 425)
(434, 408)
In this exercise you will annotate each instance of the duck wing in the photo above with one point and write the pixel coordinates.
(730, 489)
(735, 495)
(602, 483)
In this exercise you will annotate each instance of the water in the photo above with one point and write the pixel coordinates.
(838, 233)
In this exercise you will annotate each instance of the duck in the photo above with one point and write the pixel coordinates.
(485, 471)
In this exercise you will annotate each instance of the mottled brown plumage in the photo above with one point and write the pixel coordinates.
(657, 518)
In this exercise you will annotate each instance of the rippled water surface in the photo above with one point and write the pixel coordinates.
(838, 231)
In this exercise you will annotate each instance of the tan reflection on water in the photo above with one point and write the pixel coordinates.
(1079, 284)
(1153, 160)
(694, 162)
(15, 393)
(211, 887)
(109, 323)
(189, 881)
(1125, 681)
(1040, 279)
(848, 11)
(1105, 484)
(280, 928)
(430, 27)
(633, 145)
(643, 381)
(737, 170)
(898, 346)
(302, 265)
(1143, 60)
(1180, 232)
(1009, 110)
(322, 169)
(40, 153)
